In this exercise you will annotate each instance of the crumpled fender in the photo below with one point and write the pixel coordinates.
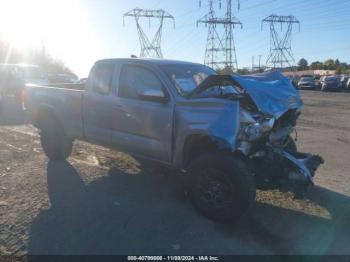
(225, 128)
(216, 118)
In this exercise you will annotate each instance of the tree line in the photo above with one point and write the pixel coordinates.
(36, 56)
(303, 64)
(329, 64)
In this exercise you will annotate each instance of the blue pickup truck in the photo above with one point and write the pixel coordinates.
(229, 134)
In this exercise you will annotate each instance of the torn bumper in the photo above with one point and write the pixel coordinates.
(301, 169)
(306, 164)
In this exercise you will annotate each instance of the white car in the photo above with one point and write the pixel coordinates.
(348, 85)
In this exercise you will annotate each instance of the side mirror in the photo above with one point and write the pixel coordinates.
(155, 95)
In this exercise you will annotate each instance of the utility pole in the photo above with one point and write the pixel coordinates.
(280, 44)
(149, 48)
(220, 50)
(260, 62)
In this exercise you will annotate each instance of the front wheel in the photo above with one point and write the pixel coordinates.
(221, 187)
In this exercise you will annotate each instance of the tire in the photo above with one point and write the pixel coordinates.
(221, 187)
(56, 145)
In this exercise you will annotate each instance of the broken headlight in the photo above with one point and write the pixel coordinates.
(257, 130)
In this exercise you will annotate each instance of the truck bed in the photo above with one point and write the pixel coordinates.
(65, 100)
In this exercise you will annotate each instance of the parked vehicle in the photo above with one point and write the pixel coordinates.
(318, 81)
(14, 77)
(231, 134)
(348, 85)
(344, 80)
(307, 83)
(331, 83)
(294, 80)
(82, 80)
(62, 78)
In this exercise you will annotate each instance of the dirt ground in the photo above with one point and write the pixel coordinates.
(105, 202)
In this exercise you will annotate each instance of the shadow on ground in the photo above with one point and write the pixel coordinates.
(149, 214)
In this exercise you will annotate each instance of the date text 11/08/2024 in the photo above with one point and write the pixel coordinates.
(173, 258)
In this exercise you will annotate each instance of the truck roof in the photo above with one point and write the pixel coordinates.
(147, 61)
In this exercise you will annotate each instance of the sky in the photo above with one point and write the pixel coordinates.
(79, 32)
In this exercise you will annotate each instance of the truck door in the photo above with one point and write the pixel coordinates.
(143, 114)
(98, 100)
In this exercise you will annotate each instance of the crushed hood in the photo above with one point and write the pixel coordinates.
(272, 92)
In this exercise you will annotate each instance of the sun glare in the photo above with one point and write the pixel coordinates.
(59, 25)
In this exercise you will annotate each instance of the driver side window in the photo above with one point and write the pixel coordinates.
(134, 80)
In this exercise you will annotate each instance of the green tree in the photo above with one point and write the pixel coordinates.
(317, 65)
(342, 68)
(243, 71)
(329, 64)
(37, 56)
(225, 71)
(336, 62)
(303, 64)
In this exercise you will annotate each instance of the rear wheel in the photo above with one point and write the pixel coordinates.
(56, 145)
(221, 187)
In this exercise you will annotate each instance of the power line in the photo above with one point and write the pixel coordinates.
(220, 48)
(280, 46)
(150, 48)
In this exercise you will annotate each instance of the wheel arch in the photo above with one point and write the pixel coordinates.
(195, 145)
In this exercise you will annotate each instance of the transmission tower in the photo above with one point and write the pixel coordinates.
(280, 44)
(149, 48)
(220, 50)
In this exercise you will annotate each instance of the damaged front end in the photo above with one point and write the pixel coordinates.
(274, 159)
(269, 107)
(265, 136)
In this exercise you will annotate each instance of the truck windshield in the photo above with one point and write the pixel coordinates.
(186, 77)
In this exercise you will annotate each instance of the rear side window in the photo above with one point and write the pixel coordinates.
(134, 79)
(102, 78)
